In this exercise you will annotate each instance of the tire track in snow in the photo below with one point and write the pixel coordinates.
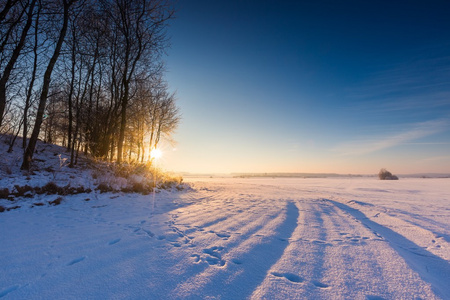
(252, 255)
(219, 225)
(211, 218)
(8, 290)
(244, 230)
(351, 265)
(430, 267)
(337, 257)
(302, 260)
(412, 226)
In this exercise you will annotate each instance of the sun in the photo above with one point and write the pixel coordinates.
(155, 154)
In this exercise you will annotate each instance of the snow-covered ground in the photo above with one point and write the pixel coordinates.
(341, 238)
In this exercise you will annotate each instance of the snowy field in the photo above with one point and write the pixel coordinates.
(340, 238)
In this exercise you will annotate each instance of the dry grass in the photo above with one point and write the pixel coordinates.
(140, 178)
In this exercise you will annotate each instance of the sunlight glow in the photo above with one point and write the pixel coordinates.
(155, 154)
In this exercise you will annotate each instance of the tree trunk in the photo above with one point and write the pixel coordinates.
(33, 78)
(123, 122)
(28, 155)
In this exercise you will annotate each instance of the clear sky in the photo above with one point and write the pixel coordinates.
(311, 86)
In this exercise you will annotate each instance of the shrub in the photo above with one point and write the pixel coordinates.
(55, 202)
(139, 187)
(386, 175)
(51, 188)
(13, 207)
(22, 190)
(4, 193)
(134, 177)
(104, 187)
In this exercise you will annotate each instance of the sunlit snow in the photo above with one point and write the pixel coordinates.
(227, 238)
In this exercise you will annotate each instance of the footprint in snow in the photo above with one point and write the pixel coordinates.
(289, 276)
(320, 242)
(223, 235)
(148, 232)
(114, 242)
(199, 228)
(371, 297)
(195, 257)
(214, 257)
(9, 290)
(76, 260)
(320, 284)
(214, 261)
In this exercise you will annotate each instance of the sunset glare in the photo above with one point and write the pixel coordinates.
(156, 154)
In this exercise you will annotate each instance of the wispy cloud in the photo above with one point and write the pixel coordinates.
(437, 158)
(415, 75)
(426, 102)
(412, 133)
(419, 85)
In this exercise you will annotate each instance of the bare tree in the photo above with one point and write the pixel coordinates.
(107, 96)
(6, 8)
(29, 90)
(139, 37)
(28, 155)
(28, 11)
(162, 114)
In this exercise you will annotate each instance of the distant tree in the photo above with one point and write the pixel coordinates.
(386, 175)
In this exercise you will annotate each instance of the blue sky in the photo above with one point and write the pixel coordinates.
(311, 86)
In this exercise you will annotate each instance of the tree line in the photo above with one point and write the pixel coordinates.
(86, 74)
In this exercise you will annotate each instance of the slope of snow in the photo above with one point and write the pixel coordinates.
(50, 163)
(235, 239)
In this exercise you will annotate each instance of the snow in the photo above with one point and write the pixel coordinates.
(230, 238)
(50, 164)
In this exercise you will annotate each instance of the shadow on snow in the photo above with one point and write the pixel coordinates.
(430, 267)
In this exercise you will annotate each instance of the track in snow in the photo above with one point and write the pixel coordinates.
(238, 239)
